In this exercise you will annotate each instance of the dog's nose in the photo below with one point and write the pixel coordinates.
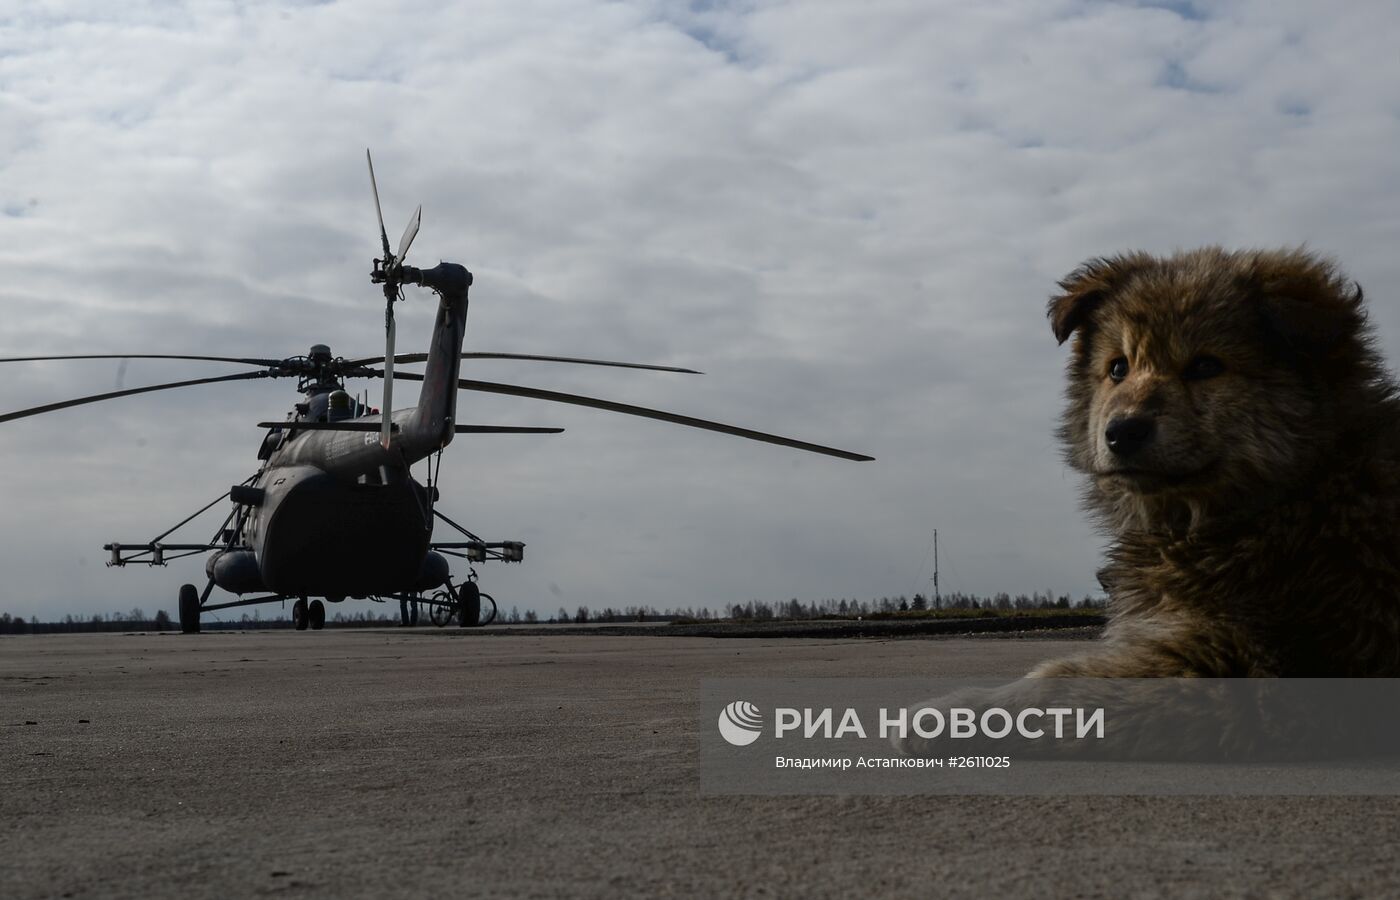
(1128, 435)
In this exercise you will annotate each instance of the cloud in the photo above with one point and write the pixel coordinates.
(849, 216)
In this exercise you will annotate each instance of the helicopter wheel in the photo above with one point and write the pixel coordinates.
(316, 612)
(189, 609)
(299, 621)
(441, 612)
(469, 604)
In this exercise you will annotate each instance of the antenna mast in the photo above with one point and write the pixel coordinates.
(937, 602)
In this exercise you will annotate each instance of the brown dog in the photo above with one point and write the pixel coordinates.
(1241, 443)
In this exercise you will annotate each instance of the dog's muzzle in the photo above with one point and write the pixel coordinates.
(1128, 435)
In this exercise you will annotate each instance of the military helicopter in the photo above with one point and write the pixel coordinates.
(333, 510)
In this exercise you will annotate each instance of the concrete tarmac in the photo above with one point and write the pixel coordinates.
(434, 763)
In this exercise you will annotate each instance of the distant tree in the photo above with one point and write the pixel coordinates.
(581, 615)
(562, 616)
(919, 602)
(531, 617)
(162, 620)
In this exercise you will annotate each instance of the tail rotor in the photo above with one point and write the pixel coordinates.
(389, 272)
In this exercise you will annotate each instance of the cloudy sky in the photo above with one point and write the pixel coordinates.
(849, 215)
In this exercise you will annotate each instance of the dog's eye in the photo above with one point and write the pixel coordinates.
(1203, 367)
(1118, 369)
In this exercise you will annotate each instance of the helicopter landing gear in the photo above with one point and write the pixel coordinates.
(299, 614)
(189, 609)
(469, 604)
(317, 614)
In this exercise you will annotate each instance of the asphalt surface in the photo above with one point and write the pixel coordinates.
(426, 762)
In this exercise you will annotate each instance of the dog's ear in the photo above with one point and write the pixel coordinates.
(1086, 288)
(1308, 306)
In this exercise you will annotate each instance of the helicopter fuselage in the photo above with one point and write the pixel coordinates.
(314, 535)
(333, 512)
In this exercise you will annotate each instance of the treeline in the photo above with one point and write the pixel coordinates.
(752, 611)
(794, 609)
(133, 620)
(137, 620)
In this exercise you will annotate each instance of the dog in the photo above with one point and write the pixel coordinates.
(1240, 441)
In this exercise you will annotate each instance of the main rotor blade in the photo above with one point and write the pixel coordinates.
(229, 359)
(112, 395)
(383, 235)
(505, 429)
(374, 426)
(422, 357)
(410, 232)
(490, 387)
(324, 426)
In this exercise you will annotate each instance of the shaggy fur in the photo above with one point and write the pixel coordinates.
(1256, 530)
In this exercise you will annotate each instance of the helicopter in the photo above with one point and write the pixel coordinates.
(333, 511)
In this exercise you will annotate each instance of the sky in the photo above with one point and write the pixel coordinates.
(848, 215)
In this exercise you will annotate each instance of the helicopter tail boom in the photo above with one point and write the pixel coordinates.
(431, 427)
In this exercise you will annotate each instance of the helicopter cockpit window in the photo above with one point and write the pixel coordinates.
(271, 441)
